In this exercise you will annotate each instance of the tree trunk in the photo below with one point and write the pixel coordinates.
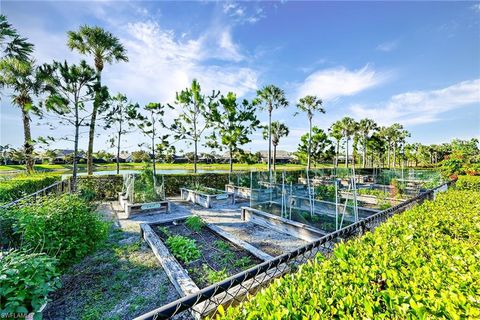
(75, 151)
(93, 120)
(270, 144)
(388, 155)
(153, 154)
(346, 154)
(231, 160)
(364, 152)
(309, 142)
(118, 149)
(274, 157)
(27, 141)
(394, 155)
(336, 154)
(195, 158)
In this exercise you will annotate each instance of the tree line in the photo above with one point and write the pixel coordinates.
(74, 95)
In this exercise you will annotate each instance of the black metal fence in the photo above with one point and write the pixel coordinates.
(239, 287)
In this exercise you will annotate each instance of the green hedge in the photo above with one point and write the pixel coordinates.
(64, 227)
(20, 186)
(108, 186)
(468, 183)
(100, 187)
(26, 281)
(174, 182)
(422, 264)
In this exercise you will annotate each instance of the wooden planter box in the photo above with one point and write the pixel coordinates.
(290, 227)
(208, 200)
(183, 282)
(142, 208)
(249, 193)
(370, 199)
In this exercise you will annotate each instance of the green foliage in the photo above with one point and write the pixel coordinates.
(468, 183)
(421, 264)
(183, 248)
(26, 281)
(64, 227)
(194, 223)
(322, 148)
(100, 187)
(145, 189)
(174, 182)
(326, 193)
(212, 275)
(20, 186)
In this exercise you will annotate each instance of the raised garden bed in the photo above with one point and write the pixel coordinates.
(207, 197)
(195, 255)
(142, 208)
(320, 223)
(261, 216)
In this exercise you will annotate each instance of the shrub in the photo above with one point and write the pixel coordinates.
(421, 264)
(20, 186)
(194, 223)
(468, 183)
(174, 182)
(100, 187)
(183, 248)
(26, 279)
(65, 227)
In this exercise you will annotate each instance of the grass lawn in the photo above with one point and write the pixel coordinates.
(65, 168)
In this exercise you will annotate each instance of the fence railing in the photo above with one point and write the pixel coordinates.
(57, 187)
(237, 288)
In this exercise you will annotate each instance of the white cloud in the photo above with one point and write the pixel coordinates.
(476, 7)
(387, 46)
(418, 107)
(243, 14)
(330, 84)
(160, 64)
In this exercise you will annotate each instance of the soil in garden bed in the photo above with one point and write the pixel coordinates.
(320, 221)
(218, 260)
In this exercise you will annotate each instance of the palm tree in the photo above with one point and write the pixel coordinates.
(310, 105)
(104, 47)
(269, 98)
(20, 77)
(385, 134)
(335, 131)
(14, 45)
(349, 127)
(279, 130)
(365, 127)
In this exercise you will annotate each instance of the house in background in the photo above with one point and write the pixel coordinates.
(63, 156)
(282, 156)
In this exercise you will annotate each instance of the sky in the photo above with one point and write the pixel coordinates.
(416, 63)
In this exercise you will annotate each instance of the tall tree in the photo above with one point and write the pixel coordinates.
(147, 125)
(70, 88)
(321, 148)
(18, 72)
(270, 98)
(335, 131)
(190, 124)
(366, 127)
(310, 105)
(386, 134)
(232, 124)
(20, 76)
(279, 130)
(104, 47)
(121, 118)
(349, 127)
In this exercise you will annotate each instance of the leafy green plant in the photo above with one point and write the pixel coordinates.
(194, 223)
(26, 280)
(243, 262)
(325, 193)
(468, 183)
(212, 275)
(64, 227)
(183, 248)
(427, 269)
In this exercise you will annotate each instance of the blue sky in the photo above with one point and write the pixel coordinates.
(413, 63)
